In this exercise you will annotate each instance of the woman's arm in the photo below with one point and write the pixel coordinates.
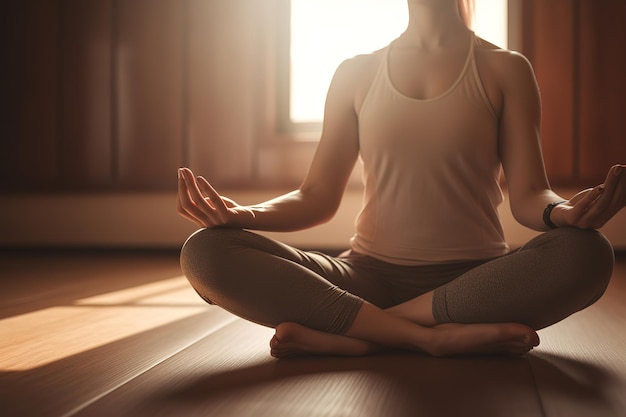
(520, 140)
(522, 160)
(319, 196)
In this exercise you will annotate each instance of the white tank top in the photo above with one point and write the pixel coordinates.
(431, 171)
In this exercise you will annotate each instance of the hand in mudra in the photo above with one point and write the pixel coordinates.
(593, 207)
(200, 203)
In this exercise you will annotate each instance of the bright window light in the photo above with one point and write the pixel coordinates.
(326, 32)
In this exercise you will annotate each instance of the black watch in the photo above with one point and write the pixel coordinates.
(548, 211)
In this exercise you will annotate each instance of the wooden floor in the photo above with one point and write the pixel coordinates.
(122, 334)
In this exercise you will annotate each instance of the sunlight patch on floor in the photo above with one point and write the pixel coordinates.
(45, 336)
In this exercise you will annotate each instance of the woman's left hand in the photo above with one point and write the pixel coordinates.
(593, 207)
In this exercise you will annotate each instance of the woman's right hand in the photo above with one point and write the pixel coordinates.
(200, 203)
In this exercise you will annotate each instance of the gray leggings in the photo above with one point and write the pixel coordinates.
(262, 280)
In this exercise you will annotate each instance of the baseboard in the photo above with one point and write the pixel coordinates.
(149, 220)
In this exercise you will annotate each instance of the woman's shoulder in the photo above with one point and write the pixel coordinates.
(363, 64)
(501, 71)
(501, 61)
(356, 75)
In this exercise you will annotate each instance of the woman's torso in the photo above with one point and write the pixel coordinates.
(429, 143)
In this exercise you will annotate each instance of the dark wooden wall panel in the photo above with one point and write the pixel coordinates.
(576, 47)
(117, 94)
(549, 45)
(28, 131)
(223, 66)
(602, 104)
(86, 81)
(149, 91)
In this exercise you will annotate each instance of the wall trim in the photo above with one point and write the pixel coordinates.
(149, 220)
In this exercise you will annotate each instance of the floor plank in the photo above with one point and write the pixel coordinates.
(231, 374)
(76, 327)
(63, 386)
(101, 334)
(580, 367)
(34, 280)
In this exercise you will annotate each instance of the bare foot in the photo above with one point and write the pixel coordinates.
(293, 339)
(452, 339)
(471, 339)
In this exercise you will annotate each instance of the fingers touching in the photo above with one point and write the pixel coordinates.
(594, 207)
(213, 199)
(198, 201)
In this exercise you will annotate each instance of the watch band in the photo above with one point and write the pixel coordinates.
(548, 211)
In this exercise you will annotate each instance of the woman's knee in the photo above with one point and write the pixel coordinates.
(206, 247)
(589, 249)
(589, 257)
(205, 258)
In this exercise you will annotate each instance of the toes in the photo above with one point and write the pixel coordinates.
(532, 339)
(274, 342)
(518, 351)
(283, 353)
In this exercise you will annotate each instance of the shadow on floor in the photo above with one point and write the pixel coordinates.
(394, 385)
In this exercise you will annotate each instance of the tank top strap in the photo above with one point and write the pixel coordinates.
(476, 79)
(380, 81)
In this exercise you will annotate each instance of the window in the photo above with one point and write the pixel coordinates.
(325, 32)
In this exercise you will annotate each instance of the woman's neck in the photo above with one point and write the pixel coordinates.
(433, 24)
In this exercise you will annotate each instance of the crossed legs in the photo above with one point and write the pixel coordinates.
(266, 282)
(374, 329)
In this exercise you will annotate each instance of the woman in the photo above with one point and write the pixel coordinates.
(433, 116)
